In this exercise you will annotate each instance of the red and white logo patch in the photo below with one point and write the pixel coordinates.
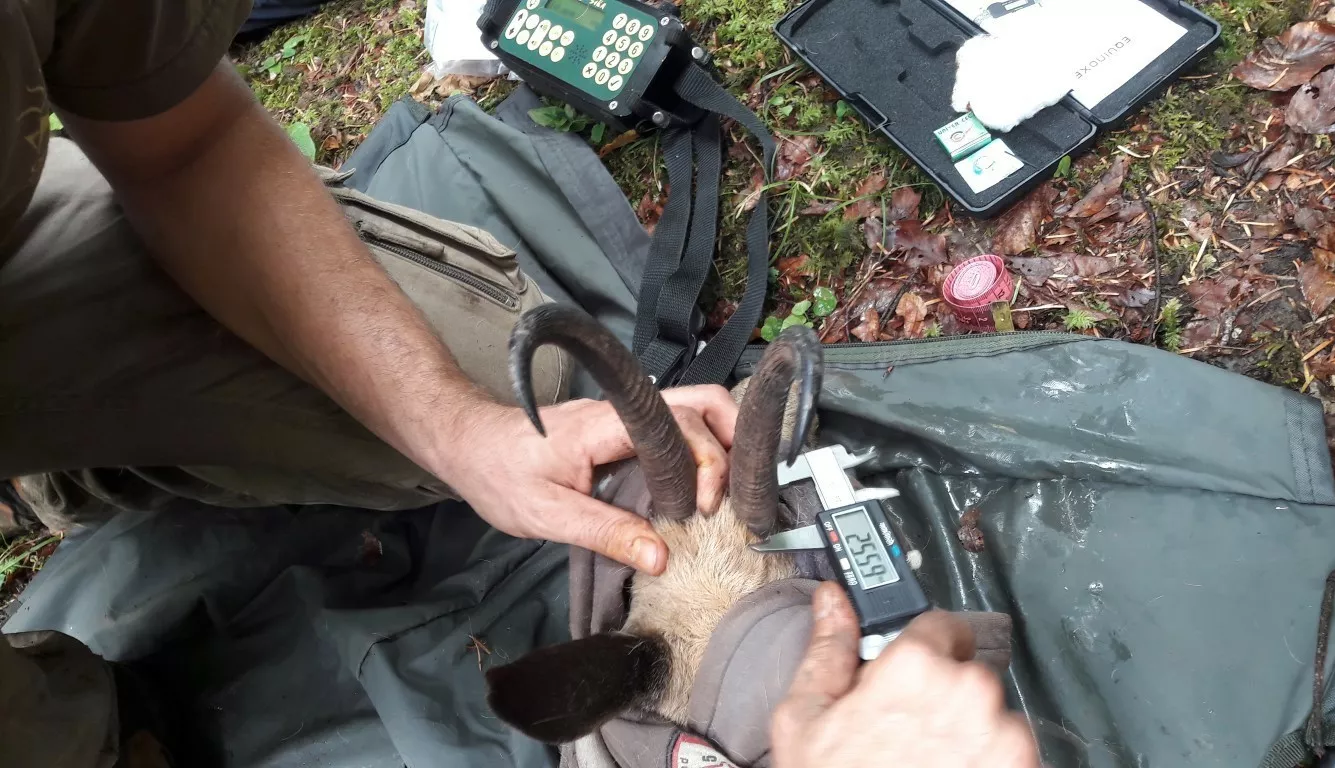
(694, 752)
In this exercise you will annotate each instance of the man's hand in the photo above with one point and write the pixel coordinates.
(536, 487)
(923, 703)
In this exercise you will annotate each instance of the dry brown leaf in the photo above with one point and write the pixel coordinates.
(819, 208)
(1318, 225)
(650, 210)
(1108, 187)
(1324, 257)
(923, 248)
(1017, 231)
(1202, 229)
(1092, 266)
(1212, 297)
(873, 230)
(904, 204)
(1034, 271)
(913, 310)
(1291, 59)
(1312, 109)
(1274, 157)
(866, 203)
(1318, 285)
(794, 156)
(795, 268)
(617, 143)
(870, 329)
(969, 534)
(1201, 333)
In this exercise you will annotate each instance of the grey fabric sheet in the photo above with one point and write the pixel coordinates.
(543, 193)
(1158, 529)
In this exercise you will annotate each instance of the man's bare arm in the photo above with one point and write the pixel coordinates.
(237, 217)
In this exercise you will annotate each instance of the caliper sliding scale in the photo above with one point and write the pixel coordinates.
(855, 533)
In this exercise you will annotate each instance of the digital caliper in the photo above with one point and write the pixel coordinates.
(855, 533)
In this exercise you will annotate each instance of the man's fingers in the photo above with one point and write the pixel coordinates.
(711, 459)
(574, 518)
(830, 665)
(944, 633)
(714, 403)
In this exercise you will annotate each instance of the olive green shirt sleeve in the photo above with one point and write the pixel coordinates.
(129, 59)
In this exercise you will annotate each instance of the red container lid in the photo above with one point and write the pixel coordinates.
(971, 288)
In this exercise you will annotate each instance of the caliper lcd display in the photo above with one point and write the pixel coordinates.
(870, 560)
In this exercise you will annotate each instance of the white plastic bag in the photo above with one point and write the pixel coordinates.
(455, 42)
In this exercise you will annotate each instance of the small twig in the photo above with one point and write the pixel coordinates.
(1314, 736)
(1158, 268)
(1316, 350)
(475, 644)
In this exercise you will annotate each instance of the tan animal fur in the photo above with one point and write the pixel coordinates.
(711, 567)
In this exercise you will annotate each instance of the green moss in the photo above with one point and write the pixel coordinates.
(354, 59)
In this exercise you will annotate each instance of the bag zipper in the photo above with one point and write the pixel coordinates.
(485, 287)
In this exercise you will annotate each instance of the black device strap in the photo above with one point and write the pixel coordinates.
(684, 243)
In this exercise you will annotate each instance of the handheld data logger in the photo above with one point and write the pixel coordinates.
(615, 60)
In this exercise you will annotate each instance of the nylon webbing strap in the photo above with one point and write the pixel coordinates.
(684, 242)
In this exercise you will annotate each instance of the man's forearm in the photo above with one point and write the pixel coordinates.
(245, 227)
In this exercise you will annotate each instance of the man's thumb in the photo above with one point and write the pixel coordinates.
(830, 665)
(608, 530)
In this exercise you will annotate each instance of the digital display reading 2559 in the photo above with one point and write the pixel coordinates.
(582, 14)
(863, 546)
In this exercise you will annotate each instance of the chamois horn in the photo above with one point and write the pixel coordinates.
(669, 468)
(754, 481)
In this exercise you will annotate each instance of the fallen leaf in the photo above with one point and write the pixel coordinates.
(1017, 231)
(880, 294)
(624, 139)
(873, 230)
(870, 328)
(1318, 225)
(650, 210)
(1108, 187)
(924, 249)
(1212, 297)
(1035, 271)
(1324, 257)
(795, 268)
(913, 310)
(1201, 333)
(1226, 162)
(1274, 157)
(1291, 59)
(1312, 108)
(904, 204)
(1136, 298)
(1092, 266)
(1202, 229)
(819, 208)
(866, 203)
(1318, 284)
(794, 156)
(969, 534)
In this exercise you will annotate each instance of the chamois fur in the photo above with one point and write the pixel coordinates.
(552, 694)
(711, 566)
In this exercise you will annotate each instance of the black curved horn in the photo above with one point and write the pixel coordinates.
(754, 480)
(669, 468)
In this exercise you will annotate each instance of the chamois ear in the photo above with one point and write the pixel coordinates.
(561, 693)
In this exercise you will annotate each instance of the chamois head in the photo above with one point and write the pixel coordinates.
(564, 692)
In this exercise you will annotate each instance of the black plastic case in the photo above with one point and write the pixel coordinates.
(894, 62)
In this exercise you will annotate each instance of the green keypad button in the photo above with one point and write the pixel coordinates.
(591, 48)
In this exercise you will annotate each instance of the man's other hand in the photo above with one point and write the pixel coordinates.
(922, 704)
(538, 487)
